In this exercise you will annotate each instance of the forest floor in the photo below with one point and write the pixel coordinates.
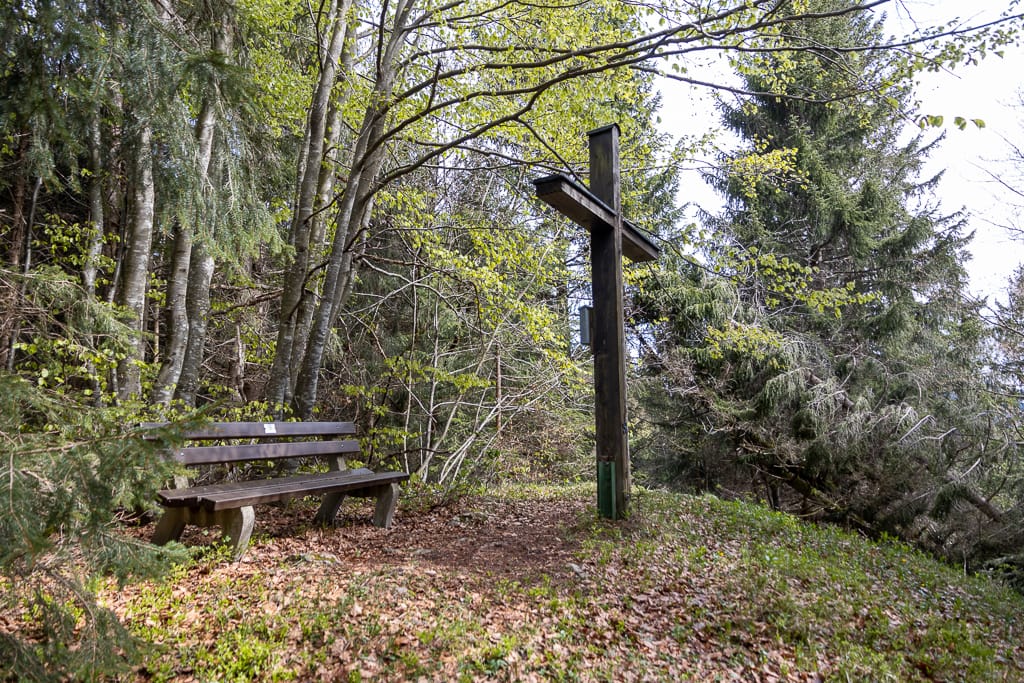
(527, 585)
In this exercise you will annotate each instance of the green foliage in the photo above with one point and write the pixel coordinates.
(473, 308)
(71, 341)
(63, 245)
(837, 369)
(69, 474)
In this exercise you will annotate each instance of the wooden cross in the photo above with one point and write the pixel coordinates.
(599, 210)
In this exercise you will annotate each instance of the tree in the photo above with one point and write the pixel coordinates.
(417, 83)
(444, 77)
(838, 366)
(67, 473)
(340, 168)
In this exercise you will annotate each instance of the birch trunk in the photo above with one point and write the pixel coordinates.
(136, 268)
(181, 319)
(353, 213)
(177, 288)
(97, 215)
(98, 219)
(190, 306)
(197, 308)
(325, 191)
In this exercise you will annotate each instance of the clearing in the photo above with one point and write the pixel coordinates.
(526, 584)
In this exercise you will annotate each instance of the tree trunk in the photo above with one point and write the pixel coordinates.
(182, 320)
(354, 211)
(280, 381)
(97, 219)
(97, 216)
(189, 308)
(197, 308)
(177, 289)
(136, 267)
(16, 243)
(318, 229)
(25, 268)
(336, 281)
(19, 195)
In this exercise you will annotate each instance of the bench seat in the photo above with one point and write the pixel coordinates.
(230, 505)
(253, 492)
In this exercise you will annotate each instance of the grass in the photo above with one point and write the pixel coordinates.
(691, 588)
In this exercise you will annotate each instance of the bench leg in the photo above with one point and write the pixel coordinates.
(329, 507)
(172, 523)
(387, 499)
(237, 525)
(331, 502)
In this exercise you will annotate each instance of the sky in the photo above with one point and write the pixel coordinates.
(990, 91)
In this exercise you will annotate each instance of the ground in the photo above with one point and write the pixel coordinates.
(529, 586)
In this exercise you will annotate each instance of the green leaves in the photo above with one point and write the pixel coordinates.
(822, 342)
(936, 121)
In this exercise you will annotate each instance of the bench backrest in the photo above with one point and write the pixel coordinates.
(271, 433)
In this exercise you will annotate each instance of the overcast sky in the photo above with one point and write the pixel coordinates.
(988, 91)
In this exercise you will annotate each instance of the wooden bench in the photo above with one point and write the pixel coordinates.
(230, 505)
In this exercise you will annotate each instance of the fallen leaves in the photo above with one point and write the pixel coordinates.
(517, 590)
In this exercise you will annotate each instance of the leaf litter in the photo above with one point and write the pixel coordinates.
(527, 588)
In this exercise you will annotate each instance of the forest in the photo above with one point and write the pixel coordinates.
(292, 210)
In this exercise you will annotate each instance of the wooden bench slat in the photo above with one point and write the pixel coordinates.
(325, 484)
(204, 455)
(191, 495)
(254, 492)
(230, 505)
(262, 430)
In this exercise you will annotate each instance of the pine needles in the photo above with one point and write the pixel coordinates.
(65, 474)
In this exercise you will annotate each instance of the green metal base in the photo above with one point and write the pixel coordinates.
(606, 489)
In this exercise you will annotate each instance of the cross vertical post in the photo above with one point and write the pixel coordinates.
(609, 344)
(599, 210)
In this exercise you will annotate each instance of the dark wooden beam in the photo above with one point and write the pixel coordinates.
(598, 209)
(203, 455)
(607, 246)
(260, 430)
(582, 207)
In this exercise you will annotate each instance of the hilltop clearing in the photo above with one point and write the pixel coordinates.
(526, 585)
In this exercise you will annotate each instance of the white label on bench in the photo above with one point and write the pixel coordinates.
(269, 428)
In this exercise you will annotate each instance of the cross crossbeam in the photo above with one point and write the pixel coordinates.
(579, 205)
(598, 209)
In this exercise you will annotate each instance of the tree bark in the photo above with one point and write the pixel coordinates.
(136, 269)
(97, 215)
(189, 308)
(15, 242)
(26, 267)
(197, 308)
(280, 382)
(318, 229)
(19, 195)
(97, 219)
(355, 205)
(177, 289)
(183, 322)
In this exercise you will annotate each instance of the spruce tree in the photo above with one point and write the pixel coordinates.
(837, 371)
(70, 472)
